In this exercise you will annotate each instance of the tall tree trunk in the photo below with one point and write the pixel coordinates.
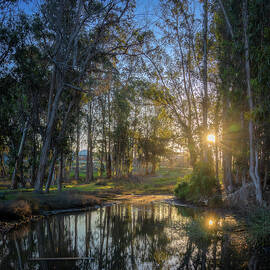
(192, 151)
(51, 170)
(227, 171)
(19, 156)
(109, 158)
(226, 18)
(34, 162)
(205, 88)
(60, 176)
(227, 154)
(154, 167)
(3, 166)
(89, 164)
(216, 159)
(87, 161)
(55, 152)
(77, 168)
(253, 154)
(48, 136)
(22, 173)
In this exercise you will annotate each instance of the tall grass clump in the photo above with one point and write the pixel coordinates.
(258, 227)
(200, 184)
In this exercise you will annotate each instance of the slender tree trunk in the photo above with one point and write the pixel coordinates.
(227, 154)
(19, 156)
(89, 165)
(192, 151)
(52, 87)
(216, 158)
(253, 154)
(226, 18)
(21, 172)
(4, 171)
(87, 161)
(60, 176)
(48, 136)
(34, 162)
(51, 170)
(146, 168)
(154, 167)
(109, 159)
(265, 175)
(205, 88)
(55, 153)
(77, 168)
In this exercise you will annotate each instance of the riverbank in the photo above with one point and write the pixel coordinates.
(23, 205)
(32, 207)
(29, 206)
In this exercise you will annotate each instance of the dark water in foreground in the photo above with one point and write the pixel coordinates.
(153, 236)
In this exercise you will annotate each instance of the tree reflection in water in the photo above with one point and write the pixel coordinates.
(154, 236)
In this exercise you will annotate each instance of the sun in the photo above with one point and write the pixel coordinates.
(211, 138)
(211, 222)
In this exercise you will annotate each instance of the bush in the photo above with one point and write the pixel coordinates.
(258, 227)
(15, 209)
(201, 183)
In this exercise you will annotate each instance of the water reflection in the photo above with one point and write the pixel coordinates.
(154, 236)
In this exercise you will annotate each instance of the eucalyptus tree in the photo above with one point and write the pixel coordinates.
(101, 26)
(178, 72)
(245, 74)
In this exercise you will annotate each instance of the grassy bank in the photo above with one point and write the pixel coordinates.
(28, 206)
(163, 182)
(19, 205)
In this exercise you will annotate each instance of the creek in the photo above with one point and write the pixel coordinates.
(130, 236)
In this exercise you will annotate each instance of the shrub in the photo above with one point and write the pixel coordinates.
(201, 183)
(15, 209)
(182, 189)
(258, 227)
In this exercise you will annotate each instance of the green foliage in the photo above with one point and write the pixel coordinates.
(258, 227)
(201, 183)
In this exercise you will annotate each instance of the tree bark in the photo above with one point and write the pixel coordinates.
(77, 168)
(3, 166)
(253, 154)
(34, 162)
(108, 158)
(192, 151)
(60, 176)
(48, 136)
(226, 18)
(51, 170)
(55, 153)
(89, 164)
(205, 88)
(19, 156)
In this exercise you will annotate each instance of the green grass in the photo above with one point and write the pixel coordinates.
(162, 183)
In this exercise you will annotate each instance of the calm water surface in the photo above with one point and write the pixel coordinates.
(126, 236)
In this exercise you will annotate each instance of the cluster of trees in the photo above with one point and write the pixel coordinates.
(214, 79)
(67, 70)
(79, 68)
